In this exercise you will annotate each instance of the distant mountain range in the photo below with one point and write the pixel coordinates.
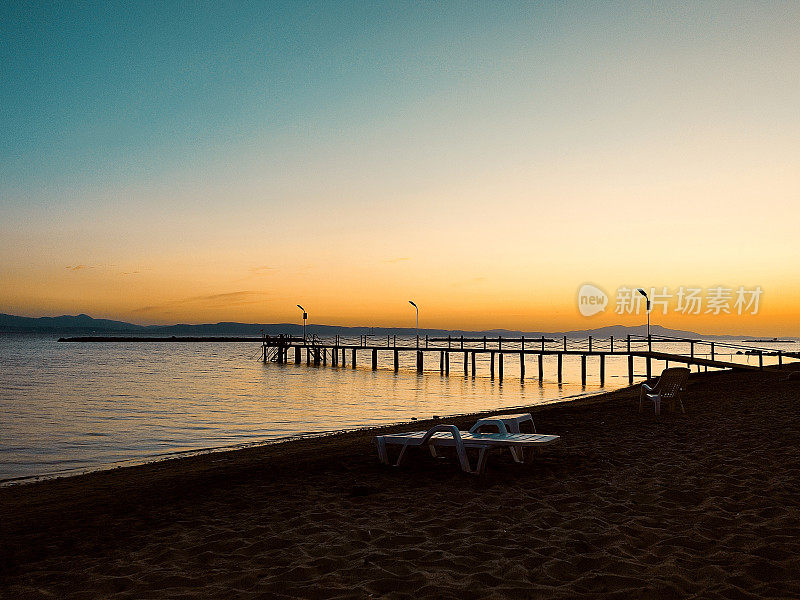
(85, 324)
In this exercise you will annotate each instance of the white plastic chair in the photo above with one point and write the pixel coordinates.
(668, 387)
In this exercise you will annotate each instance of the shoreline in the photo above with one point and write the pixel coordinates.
(181, 454)
(704, 504)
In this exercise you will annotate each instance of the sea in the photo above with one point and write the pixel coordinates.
(68, 408)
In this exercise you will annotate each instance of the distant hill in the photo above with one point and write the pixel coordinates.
(65, 322)
(86, 324)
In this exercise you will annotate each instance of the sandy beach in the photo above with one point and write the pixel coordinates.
(702, 505)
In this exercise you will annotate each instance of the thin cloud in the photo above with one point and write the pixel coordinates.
(396, 260)
(470, 281)
(210, 301)
(261, 270)
(82, 267)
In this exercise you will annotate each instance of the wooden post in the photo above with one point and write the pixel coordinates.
(542, 343)
(565, 343)
(629, 343)
(780, 359)
(466, 365)
(649, 368)
(590, 343)
(491, 364)
(441, 362)
(522, 364)
(541, 367)
(447, 363)
(499, 342)
(630, 369)
(419, 361)
(374, 360)
(612, 344)
(264, 352)
(344, 357)
(500, 365)
(560, 361)
(297, 355)
(324, 356)
(602, 370)
(308, 355)
(691, 349)
(583, 370)
(396, 360)
(354, 359)
(473, 363)
(334, 356)
(761, 360)
(712, 350)
(317, 357)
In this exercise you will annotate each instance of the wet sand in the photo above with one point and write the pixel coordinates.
(627, 506)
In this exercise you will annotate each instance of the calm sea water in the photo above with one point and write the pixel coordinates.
(73, 407)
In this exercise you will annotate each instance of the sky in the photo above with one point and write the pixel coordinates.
(201, 162)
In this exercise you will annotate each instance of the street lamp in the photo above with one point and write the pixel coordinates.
(643, 293)
(305, 316)
(417, 308)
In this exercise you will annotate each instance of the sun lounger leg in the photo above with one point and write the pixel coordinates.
(481, 461)
(401, 456)
(433, 451)
(382, 454)
(518, 454)
(657, 404)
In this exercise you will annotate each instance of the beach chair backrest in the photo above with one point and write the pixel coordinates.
(671, 381)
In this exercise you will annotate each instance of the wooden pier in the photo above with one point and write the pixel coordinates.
(344, 352)
(341, 353)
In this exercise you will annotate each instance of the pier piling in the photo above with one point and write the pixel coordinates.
(583, 370)
(602, 370)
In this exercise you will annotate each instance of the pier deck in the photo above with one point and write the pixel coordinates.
(339, 351)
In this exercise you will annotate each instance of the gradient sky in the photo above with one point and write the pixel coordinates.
(198, 162)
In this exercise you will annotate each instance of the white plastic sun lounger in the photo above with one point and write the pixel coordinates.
(450, 436)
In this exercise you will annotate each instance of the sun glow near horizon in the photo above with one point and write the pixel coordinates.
(486, 162)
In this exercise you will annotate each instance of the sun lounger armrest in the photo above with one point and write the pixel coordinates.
(499, 423)
(461, 451)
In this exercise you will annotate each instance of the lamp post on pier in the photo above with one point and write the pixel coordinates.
(417, 309)
(305, 316)
(647, 299)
